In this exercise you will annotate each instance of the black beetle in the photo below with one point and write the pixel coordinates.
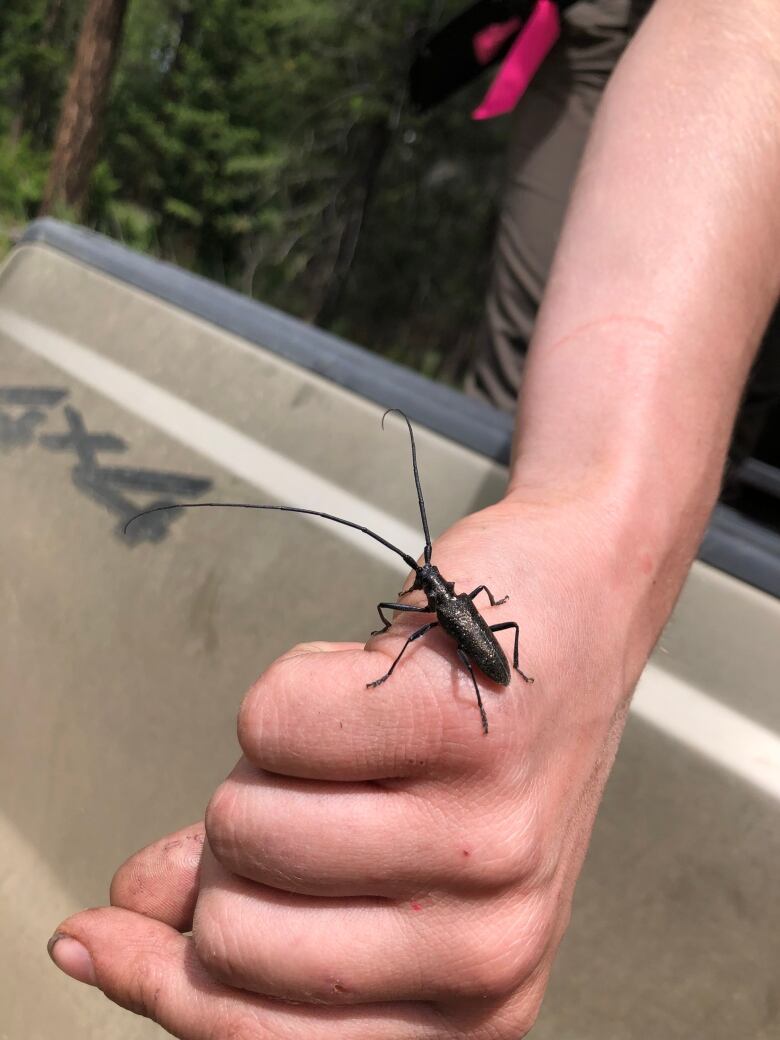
(455, 612)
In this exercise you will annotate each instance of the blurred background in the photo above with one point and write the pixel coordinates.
(269, 146)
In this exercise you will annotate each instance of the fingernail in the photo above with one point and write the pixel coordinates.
(72, 957)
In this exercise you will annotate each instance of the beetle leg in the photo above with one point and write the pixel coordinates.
(515, 657)
(395, 606)
(493, 601)
(464, 658)
(411, 639)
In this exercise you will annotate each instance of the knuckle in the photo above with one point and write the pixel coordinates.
(210, 938)
(248, 725)
(500, 955)
(220, 822)
(522, 1022)
(512, 851)
(259, 719)
(487, 972)
(527, 1007)
(515, 1024)
(529, 846)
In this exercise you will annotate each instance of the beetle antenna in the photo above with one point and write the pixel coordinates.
(284, 509)
(420, 499)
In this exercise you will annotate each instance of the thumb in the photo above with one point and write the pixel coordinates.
(148, 968)
(145, 967)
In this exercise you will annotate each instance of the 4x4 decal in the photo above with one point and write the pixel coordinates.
(23, 409)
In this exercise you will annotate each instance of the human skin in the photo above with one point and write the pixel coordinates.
(448, 857)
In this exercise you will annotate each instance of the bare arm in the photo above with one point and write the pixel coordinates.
(664, 279)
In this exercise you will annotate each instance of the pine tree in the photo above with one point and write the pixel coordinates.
(269, 146)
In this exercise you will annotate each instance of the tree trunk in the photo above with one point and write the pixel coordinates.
(81, 120)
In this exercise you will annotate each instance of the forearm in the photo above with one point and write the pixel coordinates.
(665, 276)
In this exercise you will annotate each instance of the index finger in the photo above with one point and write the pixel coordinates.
(311, 715)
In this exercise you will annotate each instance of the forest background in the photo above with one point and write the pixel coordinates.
(269, 145)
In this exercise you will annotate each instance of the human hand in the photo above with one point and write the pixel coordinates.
(376, 866)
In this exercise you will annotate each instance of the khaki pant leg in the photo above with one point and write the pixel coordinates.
(550, 127)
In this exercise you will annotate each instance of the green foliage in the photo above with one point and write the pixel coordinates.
(271, 146)
(23, 172)
(37, 42)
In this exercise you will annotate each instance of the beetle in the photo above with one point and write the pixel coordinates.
(456, 613)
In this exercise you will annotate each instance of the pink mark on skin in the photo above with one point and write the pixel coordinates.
(614, 319)
(645, 562)
(466, 852)
(422, 902)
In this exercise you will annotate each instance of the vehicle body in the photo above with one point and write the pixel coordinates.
(125, 382)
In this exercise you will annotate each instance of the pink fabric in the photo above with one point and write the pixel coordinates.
(527, 53)
(489, 40)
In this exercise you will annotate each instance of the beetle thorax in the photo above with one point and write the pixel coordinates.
(434, 586)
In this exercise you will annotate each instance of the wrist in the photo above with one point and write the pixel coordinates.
(612, 428)
(629, 536)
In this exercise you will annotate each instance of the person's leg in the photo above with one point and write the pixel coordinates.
(549, 129)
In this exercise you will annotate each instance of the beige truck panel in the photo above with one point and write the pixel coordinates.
(122, 663)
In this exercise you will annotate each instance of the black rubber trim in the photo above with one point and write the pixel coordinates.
(732, 543)
(739, 546)
(761, 476)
